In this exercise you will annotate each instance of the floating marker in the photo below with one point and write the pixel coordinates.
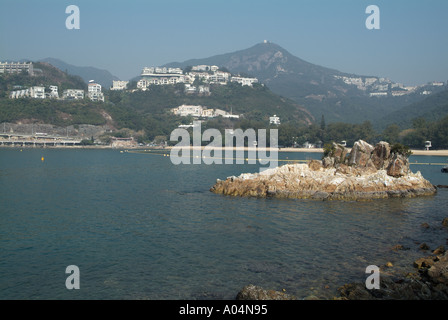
(42, 159)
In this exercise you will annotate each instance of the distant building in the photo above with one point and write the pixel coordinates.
(274, 120)
(201, 112)
(119, 85)
(32, 92)
(244, 81)
(53, 92)
(378, 94)
(204, 68)
(123, 142)
(16, 67)
(188, 110)
(94, 92)
(161, 76)
(143, 84)
(73, 94)
(190, 88)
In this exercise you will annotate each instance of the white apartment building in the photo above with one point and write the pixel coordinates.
(16, 67)
(53, 92)
(160, 76)
(200, 111)
(274, 120)
(188, 110)
(190, 88)
(205, 68)
(143, 84)
(208, 113)
(37, 92)
(244, 81)
(73, 94)
(32, 92)
(219, 77)
(119, 85)
(94, 92)
(378, 94)
(370, 81)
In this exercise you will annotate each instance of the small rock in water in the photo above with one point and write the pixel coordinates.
(439, 250)
(445, 222)
(424, 246)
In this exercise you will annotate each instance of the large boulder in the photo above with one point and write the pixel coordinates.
(398, 166)
(360, 154)
(380, 155)
(336, 155)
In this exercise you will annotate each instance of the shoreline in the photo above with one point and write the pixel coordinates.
(440, 153)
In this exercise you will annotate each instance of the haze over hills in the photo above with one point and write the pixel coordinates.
(100, 76)
(432, 108)
(339, 96)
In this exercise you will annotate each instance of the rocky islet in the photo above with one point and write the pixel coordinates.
(362, 173)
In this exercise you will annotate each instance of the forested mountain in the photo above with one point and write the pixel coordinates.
(322, 91)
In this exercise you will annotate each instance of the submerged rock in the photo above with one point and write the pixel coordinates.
(368, 173)
(251, 292)
(429, 282)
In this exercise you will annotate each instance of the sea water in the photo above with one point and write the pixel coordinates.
(139, 227)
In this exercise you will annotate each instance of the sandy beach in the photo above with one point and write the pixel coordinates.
(442, 153)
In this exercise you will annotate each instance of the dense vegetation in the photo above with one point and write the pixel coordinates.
(45, 75)
(51, 111)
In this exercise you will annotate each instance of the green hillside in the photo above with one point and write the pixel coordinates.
(45, 74)
(254, 103)
(432, 108)
(146, 112)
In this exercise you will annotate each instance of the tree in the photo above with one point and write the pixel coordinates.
(391, 134)
(323, 126)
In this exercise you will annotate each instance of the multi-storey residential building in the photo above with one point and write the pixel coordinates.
(16, 67)
(274, 120)
(53, 92)
(142, 84)
(32, 92)
(94, 92)
(73, 94)
(244, 81)
(204, 73)
(201, 112)
(162, 76)
(219, 77)
(188, 110)
(119, 85)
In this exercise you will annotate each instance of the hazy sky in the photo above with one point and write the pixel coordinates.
(410, 47)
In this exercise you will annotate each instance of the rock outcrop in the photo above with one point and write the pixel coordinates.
(366, 172)
(251, 292)
(430, 282)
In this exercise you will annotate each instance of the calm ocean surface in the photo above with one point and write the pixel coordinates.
(139, 227)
